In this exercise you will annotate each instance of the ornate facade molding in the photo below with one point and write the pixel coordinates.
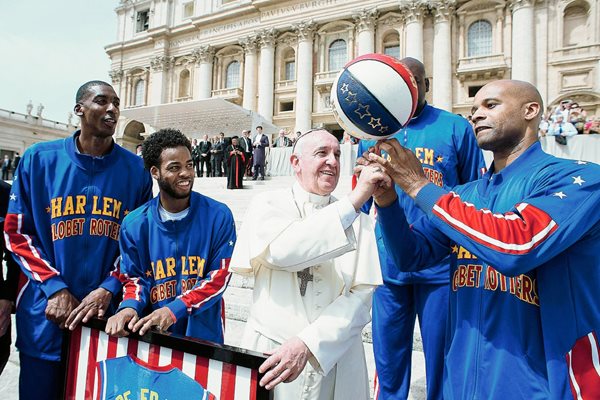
(161, 63)
(365, 20)
(249, 44)
(116, 75)
(414, 10)
(204, 54)
(515, 5)
(443, 10)
(305, 30)
(267, 37)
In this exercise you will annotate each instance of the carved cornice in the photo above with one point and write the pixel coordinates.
(442, 10)
(116, 75)
(288, 40)
(414, 10)
(161, 63)
(515, 5)
(365, 19)
(204, 54)
(249, 44)
(305, 30)
(267, 37)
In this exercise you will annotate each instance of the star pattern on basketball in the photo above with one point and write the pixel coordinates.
(363, 110)
(351, 98)
(384, 129)
(439, 159)
(344, 88)
(578, 180)
(559, 194)
(375, 122)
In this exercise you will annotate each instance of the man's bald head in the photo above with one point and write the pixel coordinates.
(506, 116)
(417, 68)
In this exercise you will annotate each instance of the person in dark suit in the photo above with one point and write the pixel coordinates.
(235, 161)
(217, 154)
(6, 164)
(8, 284)
(246, 144)
(260, 143)
(196, 157)
(15, 162)
(204, 150)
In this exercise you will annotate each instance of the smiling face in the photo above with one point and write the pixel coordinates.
(99, 111)
(504, 114)
(317, 162)
(175, 176)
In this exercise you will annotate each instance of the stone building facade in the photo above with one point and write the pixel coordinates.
(279, 57)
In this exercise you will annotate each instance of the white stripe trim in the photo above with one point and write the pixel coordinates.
(165, 356)
(102, 346)
(189, 365)
(197, 305)
(143, 351)
(82, 364)
(122, 344)
(595, 358)
(573, 381)
(242, 383)
(104, 381)
(495, 242)
(21, 293)
(215, 377)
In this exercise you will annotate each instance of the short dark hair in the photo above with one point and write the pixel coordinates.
(259, 126)
(154, 145)
(83, 89)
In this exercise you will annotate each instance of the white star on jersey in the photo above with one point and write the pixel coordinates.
(13, 197)
(231, 242)
(560, 194)
(577, 180)
(581, 162)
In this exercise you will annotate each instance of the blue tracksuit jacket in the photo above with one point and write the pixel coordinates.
(62, 226)
(525, 271)
(181, 264)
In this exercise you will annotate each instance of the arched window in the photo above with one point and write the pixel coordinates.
(289, 65)
(232, 75)
(140, 87)
(184, 83)
(575, 30)
(337, 55)
(480, 38)
(391, 44)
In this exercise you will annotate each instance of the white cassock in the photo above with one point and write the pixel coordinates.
(287, 231)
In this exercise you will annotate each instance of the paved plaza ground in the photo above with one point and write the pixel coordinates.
(237, 296)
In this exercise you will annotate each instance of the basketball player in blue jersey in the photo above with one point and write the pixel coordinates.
(446, 147)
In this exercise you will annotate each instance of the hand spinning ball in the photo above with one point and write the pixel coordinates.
(374, 96)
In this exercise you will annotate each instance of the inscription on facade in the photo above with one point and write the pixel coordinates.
(297, 8)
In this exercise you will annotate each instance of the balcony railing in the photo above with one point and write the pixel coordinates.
(282, 85)
(33, 120)
(493, 64)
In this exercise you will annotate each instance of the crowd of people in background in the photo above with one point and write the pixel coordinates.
(568, 119)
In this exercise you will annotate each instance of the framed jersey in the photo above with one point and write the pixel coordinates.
(156, 366)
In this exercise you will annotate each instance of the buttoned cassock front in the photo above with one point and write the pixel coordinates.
(285, 232)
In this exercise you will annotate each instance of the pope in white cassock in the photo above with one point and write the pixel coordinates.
(315, 263)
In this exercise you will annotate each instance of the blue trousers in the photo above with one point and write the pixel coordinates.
(39, 379)
(394, 311)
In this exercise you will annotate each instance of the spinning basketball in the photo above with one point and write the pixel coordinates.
(374, 96)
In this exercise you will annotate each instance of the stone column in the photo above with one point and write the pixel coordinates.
(442, 55)
(499, 30)
(304, 76)
(116, 76)
(159, 65)
(523, 40)
(204, 56)
(266, 79)
(250, 69)
(461, 36)
(413, 12)
(365, 25)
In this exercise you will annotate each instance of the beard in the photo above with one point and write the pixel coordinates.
(171, 191)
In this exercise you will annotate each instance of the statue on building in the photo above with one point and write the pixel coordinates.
(40, 109)
(29, 107)
(69, 118)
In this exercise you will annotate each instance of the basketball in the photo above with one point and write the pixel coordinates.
(374, 96)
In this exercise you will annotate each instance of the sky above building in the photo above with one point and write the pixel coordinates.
(49, 48)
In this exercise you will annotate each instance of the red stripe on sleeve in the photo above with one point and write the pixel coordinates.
(510, 233)
(584, 367)
(212, 285)
(22, 246)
